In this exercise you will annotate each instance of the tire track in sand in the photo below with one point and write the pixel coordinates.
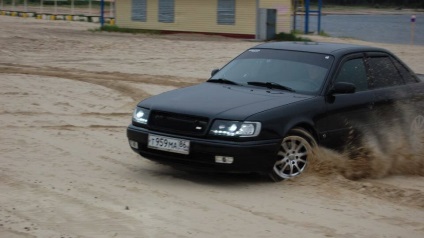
(113, 80)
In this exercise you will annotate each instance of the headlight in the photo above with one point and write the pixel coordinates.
(141, 115)
(235, 128)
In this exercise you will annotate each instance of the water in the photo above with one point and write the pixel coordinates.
(395, 29)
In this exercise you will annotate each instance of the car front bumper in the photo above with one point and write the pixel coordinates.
(252, 156)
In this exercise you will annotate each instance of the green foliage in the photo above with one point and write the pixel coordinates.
(323, 33)
(297, 31)
(289, 37)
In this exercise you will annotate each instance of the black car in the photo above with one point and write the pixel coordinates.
(265, 110)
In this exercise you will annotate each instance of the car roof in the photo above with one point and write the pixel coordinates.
(319, 47)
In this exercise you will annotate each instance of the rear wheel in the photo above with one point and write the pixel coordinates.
(293, 155)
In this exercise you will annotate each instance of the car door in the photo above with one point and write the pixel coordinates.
(392, 95)
(416, 101)
(415, 110)
(346, 112)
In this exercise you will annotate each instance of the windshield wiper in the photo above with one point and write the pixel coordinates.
(271, 85)
(224, 81)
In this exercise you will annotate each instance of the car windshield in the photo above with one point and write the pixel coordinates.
(302, 72)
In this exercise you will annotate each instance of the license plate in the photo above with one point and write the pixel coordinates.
(169, 144)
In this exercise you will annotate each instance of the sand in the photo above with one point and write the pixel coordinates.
(66, 169)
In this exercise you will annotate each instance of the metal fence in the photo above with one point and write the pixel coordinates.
(70, 7)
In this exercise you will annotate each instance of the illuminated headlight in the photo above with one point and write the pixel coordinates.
(235, 128)
(141, 115)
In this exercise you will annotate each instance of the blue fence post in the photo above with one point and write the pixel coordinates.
(307, 16)
(319, 15)
(102, 12)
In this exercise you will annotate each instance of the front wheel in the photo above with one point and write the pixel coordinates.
(293, 155)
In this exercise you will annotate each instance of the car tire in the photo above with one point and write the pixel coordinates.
(293, 155)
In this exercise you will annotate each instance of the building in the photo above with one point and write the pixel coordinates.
(259, 19)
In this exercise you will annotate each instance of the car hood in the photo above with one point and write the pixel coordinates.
(221, 101)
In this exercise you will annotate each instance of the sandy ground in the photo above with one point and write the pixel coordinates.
(66, 169)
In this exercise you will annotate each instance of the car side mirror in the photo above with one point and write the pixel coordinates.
(342, 88)
(214, 72)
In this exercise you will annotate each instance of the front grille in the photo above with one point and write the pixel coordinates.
(178, 123)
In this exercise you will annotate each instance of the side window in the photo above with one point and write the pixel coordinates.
(383, 73)
(166, 11)
(226, 12)
(407, 75)
(353, 71)
(139, 12)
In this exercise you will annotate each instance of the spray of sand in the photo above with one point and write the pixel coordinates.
(393, 149)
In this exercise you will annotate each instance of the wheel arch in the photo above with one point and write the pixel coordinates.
(308, 126)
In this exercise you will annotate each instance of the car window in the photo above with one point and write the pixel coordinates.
(301, 71)
(246, 70)
(407, 75)
(353, 71)
(383, 73)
